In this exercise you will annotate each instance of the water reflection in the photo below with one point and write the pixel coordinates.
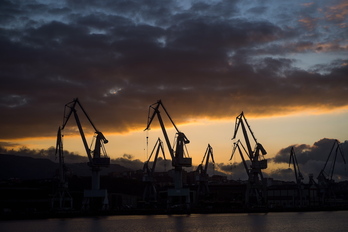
(179, 222)
(284, 222)
(258, 222)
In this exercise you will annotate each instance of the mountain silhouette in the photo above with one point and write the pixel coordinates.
(21, 167)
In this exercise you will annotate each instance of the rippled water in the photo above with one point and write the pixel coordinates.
(284, 222)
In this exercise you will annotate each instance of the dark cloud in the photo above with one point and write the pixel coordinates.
(203, 59)
(235, 171)
(284, 174)
(312, 158)
(128, 161)
(50, 153)
(162, 165)
(4, 145)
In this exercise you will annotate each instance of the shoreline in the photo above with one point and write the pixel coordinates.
(66, 214)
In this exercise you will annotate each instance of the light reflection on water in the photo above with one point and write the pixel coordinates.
(284, 222)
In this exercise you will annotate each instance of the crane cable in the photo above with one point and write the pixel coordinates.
(92, 143)
(233, 158)
(61, 145)
(186, 153)
(146, 150)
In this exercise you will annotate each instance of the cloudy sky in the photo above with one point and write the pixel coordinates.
(284, 64)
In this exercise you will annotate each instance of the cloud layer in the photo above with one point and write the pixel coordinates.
(311, 160)
(322, 155)
(202, 58)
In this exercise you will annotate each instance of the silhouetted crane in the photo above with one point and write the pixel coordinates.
(62, 196)
(256, 188)
(97, 157)
(298, 175)
(325, 177)
(179, 155)
(150, 192)
(203, 188)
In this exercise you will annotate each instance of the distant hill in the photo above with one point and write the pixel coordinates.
(13, 166)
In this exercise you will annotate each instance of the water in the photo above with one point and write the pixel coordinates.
(284, 222)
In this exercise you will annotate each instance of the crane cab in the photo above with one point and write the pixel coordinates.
(185, 162)
(100, 162)
(259, 164)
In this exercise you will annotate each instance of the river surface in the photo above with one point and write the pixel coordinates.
(281, 222)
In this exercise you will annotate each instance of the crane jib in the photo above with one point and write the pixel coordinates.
(94, 157)
(178, 159)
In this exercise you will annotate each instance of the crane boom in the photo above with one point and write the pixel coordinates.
(208, 154)
(241, 121)
(205, 161)
(237, 146)
(94, 157)
(331, 171)
(159, 146)
(178, 159)
(159, 117)
(293, 159)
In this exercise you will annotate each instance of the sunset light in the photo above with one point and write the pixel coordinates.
(174, 115)
(283, 64)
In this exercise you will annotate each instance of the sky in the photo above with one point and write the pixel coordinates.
(285, 65)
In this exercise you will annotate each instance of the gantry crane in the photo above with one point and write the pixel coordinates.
(298, 176)
(203, 188)
(150, 192)
(256, 187)
(325, 179)
(62, 196)
(97, 157)
(178, 154)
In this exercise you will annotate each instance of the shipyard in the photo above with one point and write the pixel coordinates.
(149, 191)
(177, 115)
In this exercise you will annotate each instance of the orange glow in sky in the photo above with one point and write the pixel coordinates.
(274, 133)
(284, 64)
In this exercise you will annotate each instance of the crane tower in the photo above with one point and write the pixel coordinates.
(62, 199)
(298, 176)
(325, 177)
(179, 156)
(150, 192)
(202, 178)
(95, 197)
(256, 187)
